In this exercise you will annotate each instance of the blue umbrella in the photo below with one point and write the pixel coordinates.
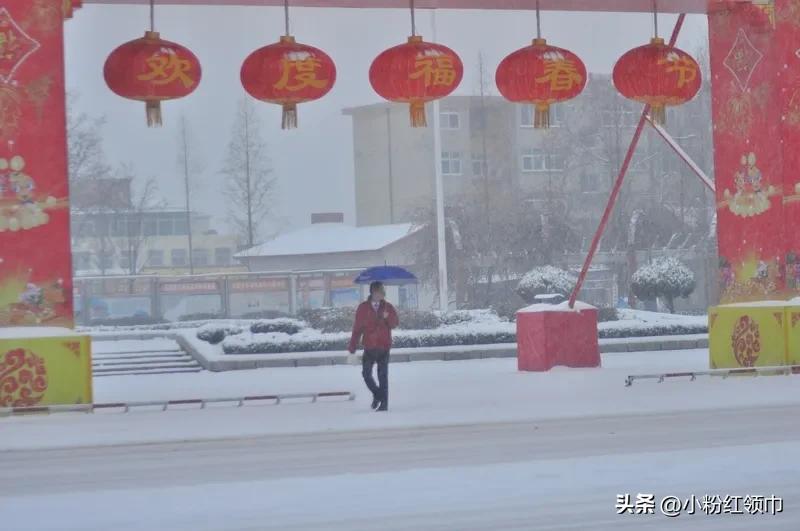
(389, 275)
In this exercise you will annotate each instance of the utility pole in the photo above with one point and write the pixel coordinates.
(185, 141)
(440, 230)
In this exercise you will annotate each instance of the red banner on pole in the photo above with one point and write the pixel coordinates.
(35, 261)
(756, 111)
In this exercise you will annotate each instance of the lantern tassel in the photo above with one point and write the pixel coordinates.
(417, 112)
(153, 110)
(289, 116)
(541, 117)
(659, 114)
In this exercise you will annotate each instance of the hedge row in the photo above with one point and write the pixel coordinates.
(279, 343)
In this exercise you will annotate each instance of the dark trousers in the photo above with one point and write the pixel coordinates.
(370, 358)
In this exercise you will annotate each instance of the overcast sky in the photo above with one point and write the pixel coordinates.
(313, 164)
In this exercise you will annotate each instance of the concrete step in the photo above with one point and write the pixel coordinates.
(148, 371)
(140, 367)
(180, 360)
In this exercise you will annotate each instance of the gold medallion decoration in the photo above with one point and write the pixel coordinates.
(21, 207)
(23, 378)
(752, 193)
(746, 341)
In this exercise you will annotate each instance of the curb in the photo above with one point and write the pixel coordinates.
(456, 353)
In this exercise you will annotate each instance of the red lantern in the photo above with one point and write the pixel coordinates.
(152, 70)
(541, 75)
(288, 73)
(416, 72)
(657, 75)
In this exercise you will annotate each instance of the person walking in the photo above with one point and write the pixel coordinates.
(373, 325)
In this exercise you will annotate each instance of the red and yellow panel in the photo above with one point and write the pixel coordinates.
(45, 371)
(793, 335)
(748, 336)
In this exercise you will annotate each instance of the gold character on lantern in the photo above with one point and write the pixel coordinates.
(684, 66)
(298, 74)
(436, 71)
(166, 67)
(561, 73)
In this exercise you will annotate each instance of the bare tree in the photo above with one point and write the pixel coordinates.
(85, 144)
(248, 171)
(189, 166)
(133, 236)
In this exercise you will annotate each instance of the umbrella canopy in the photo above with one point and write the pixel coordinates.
(389, 275)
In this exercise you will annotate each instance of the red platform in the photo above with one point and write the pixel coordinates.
(549, 335)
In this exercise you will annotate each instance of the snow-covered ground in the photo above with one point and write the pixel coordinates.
(465, 445)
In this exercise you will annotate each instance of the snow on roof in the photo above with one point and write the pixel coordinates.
(324, 238)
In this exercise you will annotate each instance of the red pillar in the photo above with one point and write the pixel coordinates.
(35, 261)
(755, 65)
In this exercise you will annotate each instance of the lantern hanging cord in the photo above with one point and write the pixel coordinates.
(413, 19)
(655, 16)
(286, 15)
(153, 15)
(538, 22)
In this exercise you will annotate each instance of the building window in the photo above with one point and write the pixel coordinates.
(449, 120)
(105, 261)
(181, 226)
(479, 168)
(589, 183)
(200, 257)
(155, 258)
(179, 257)
(536, 160)
(451, 163)
(222, 256)
(527, 115)
(150, 227)
(83, 261)
(125, 260)
(165, 227)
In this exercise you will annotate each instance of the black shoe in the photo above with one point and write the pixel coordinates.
(375, 402)
(383, 407)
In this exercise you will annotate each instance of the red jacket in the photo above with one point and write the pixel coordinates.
(371, 326)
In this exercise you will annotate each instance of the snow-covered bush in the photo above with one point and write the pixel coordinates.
(418, 320)
(216, 333)
(286, 326)
(606, 314)
(649, 330)
(278, 342)
(667, 278)
(543, 280)
(312, 341)
(328, 319)
(501, 332)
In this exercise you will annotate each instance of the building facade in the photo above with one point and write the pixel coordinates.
(488, 142)
(119, 238)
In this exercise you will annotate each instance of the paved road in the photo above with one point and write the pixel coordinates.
(572, 470)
